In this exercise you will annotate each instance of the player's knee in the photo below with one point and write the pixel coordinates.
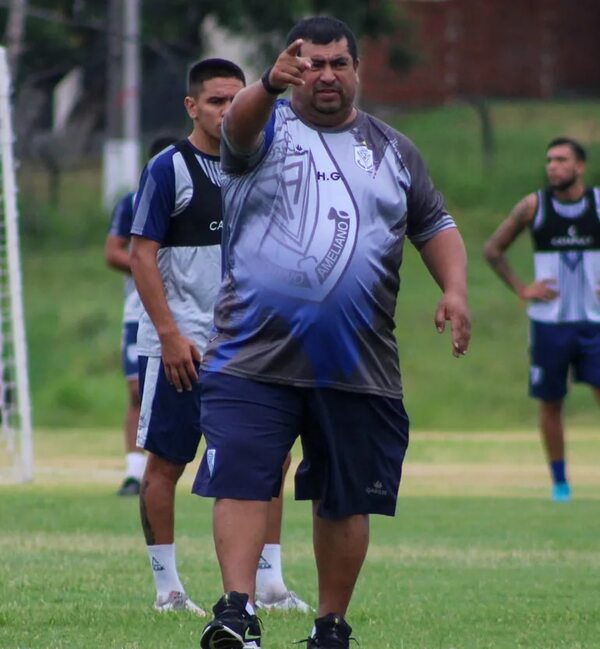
(163, 469)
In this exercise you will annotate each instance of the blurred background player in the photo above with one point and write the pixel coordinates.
(564, 298)
(176, 262)
(116, 254)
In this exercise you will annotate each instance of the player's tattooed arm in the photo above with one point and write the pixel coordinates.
(146, 527)
(494, 250)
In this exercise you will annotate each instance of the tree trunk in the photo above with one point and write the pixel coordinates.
(488, 144)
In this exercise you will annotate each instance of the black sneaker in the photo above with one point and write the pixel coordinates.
(232, 627)
(330, 632)
(130, 487)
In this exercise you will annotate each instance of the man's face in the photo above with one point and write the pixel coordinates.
(562, 167)
(330, 84)
(212, 101)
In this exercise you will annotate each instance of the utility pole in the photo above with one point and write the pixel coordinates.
(15, 26)
(121, 164)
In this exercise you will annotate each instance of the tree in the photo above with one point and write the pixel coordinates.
(73, 32)
(63, 34)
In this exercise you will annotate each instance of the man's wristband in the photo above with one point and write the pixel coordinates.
(272, 90)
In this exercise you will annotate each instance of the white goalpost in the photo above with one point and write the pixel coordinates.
(16, 448)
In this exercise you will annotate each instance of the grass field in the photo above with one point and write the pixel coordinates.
(477, 557)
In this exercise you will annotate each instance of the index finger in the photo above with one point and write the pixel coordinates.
(294, 48)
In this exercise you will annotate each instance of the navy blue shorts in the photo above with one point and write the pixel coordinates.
(557, 348)
(169, 424)
(353, 444)
(129, 355)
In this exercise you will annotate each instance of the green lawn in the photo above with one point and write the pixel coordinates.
(477, 556)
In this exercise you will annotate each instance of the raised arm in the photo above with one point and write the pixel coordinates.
(446, 259)
(253, 105)
(178, 353)
(520, 217)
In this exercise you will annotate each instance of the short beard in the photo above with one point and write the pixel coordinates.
(566, 184)
(331, 109)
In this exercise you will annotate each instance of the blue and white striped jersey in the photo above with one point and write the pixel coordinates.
(179, 205)
(314, 226)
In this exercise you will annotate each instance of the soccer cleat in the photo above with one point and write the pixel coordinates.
(561, 492)
(288, 601)
(130, 487)
(232, 627)
(176, 601)
(330, 632)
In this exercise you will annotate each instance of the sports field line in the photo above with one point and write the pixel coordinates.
(499, 436)
(439, 463)
(420, 479)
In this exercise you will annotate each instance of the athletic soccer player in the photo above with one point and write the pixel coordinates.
(564, 298)
(176, 262)
(318, 198)
(116, 254)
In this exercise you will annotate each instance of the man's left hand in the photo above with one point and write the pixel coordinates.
(454, 307)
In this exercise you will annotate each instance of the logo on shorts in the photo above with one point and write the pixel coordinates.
(535, 374)
(377, 489)
(210, 459)
(132, 353)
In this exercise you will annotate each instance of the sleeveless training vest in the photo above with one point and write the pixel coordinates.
(566, 243)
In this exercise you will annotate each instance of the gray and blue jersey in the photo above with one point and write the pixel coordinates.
(314, 228)
(120, 226)
(179, 205)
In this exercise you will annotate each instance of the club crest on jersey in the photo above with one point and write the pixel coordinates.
(310, 231)
(363, 156)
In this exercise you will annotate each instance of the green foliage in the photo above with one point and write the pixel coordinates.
(74, 33)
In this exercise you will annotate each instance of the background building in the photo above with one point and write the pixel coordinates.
(497, 48)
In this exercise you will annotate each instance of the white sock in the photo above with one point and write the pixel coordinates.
(269, 578)
(162, 562)
(250, 609)
(136, 463)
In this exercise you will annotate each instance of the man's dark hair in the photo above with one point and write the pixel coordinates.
(211, 69)
(160, 143)
(321, 30)
(578, 150)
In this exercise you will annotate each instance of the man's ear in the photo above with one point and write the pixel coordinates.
(190, 107)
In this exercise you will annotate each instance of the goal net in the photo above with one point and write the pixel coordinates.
(16, 451)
